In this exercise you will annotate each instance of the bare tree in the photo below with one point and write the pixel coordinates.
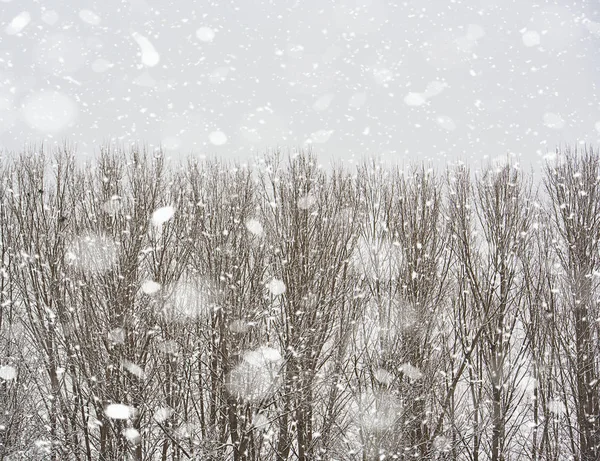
(490, 230)
(18, 428)
(304, 215)
(402, 265)
(211, 310)
(574, 190)
(540, 319)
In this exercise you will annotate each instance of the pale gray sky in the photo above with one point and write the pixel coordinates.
(410, 79)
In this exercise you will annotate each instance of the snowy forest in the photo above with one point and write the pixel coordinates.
(285, 310)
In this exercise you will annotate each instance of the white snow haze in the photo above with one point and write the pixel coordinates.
(351, 78)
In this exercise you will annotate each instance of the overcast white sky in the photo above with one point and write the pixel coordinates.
(409, 79)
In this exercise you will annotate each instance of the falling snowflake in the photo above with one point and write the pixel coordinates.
(118, 411)
(134, 369)
(260, 421)
(410, 371)
(414, 99)
(162, 215)
(168, 347)
(89, 17)
(306, 202)
(434, 88)
(528, 385)
(205, 34)
(150, 56)
(116, 335)
(475, 32)
(262, 356)
(239, 326)
(357, 100)
(383, 376)
(276, 287)
(217, 138)
(92, 253)
(531, 38)
(319, 137)
(442, 444)
(101, 65)
(376, 411)
(50, 17)
(162, 414)
(150, 287)
(446, 123)
(132, 435)
(557, 407)
(554, 121)
(377, 259)
(187, 300)
(49, 111)
(8, 372)
(257, 376)
(323, 102)
(254, 226)
(113, 206)
(18, 23)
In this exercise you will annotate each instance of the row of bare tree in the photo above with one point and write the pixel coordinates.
(281, 311)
